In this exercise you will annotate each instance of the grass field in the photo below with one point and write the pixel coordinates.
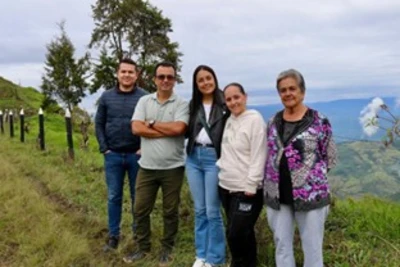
(53, 213)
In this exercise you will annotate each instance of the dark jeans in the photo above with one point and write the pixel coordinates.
(147, 185)
(116, 166)
(242, 213)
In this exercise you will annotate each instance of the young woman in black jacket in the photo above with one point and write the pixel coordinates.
(208, 114)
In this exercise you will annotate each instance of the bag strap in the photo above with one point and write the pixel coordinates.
(203, 122)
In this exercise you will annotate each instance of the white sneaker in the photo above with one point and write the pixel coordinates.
(212, 265)
(198, 263)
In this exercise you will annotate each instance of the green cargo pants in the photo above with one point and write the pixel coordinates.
(147, 184)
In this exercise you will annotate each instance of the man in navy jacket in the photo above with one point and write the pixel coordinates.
(120, 147)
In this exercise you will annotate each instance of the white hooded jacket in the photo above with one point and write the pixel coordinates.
(243, 153)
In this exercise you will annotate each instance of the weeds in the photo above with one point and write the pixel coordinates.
(53, 213)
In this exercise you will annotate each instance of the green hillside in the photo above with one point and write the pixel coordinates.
(53, 210)
(367, 168)
(62, 206)
(13, 96)
(364, 167)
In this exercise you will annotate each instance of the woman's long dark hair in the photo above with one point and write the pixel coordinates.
(197, 96)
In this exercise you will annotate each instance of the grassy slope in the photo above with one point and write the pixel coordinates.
(15, 97)
(367, 167)
(53, 212)
(364, 166)
(60, 208)
(34, 232)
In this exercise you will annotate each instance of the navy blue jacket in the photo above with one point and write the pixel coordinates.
(113, 120)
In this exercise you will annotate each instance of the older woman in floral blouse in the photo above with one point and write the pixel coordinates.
(301, 151)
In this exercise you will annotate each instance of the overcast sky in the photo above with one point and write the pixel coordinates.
(344, 48)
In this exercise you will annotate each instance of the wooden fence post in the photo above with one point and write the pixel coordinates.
(68, 125)
(1, 122)
(41, 130)
(6, 112)
(11, 120)
(21, 123)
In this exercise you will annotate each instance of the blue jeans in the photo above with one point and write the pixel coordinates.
(116, 165)
(202, 174)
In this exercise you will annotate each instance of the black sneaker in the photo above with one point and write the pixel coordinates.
(165, 259)
(135, 256)
(112, 243)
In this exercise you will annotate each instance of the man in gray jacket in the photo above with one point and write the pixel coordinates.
(120, 147)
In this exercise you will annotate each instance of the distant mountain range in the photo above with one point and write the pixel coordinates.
(365, 166)
(343, 114)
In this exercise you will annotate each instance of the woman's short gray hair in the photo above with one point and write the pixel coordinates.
(292, 73)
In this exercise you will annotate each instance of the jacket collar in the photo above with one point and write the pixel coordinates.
(126, 92)
(306, 122)
(218, 109)
(170, 99)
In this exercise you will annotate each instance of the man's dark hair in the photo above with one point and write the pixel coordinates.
(164, 64)
(128, 61)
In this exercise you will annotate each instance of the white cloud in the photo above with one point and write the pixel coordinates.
(25, 74)
(344, 48)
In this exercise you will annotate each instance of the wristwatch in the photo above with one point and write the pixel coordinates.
(151, 123)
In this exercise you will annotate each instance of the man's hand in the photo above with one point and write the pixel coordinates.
(141, 128)
(174, 128)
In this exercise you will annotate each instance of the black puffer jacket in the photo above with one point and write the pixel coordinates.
(113, 120)
(218, 116)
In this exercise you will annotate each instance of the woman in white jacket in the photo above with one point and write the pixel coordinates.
(241, 164)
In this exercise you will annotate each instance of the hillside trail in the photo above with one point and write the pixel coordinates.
(35, 220)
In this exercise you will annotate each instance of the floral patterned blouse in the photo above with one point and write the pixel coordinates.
(310, 154)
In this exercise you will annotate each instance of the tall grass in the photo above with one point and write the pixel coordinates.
(53, 213)
(33, 231)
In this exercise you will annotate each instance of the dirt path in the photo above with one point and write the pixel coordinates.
(28, 207)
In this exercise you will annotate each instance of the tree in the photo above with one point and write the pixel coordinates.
(64, 78)
(372, 120)
(135, 29)
(104, 72)
(393, 129)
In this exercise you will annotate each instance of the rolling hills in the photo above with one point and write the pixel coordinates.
(53, 211)
(365, 167)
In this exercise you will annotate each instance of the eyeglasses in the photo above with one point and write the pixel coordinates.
(162, 77)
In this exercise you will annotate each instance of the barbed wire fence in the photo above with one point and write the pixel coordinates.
(9, 122)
